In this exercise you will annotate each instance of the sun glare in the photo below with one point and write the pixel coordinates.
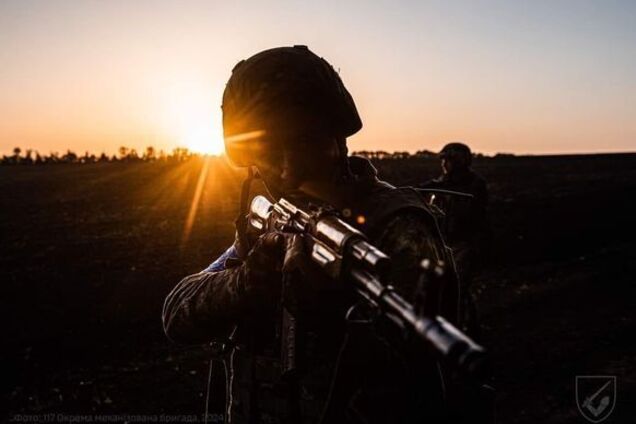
(192, 117)
(204, 141)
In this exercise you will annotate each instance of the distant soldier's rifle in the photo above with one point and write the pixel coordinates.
(444, 191)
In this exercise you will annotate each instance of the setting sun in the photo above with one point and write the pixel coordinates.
(203, 140)
(191, 113)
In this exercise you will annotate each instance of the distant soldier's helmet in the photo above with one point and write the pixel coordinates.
(282, 93)
(458, 153)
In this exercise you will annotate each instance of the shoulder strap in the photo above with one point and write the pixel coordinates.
(241, 219)
(383, 202)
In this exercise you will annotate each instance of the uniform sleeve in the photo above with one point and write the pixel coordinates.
(479, 189)
(434, 183)
(481, 221)
(206, 306)
(408, 238)
(221, 262)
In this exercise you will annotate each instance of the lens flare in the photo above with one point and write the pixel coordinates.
(196, 199)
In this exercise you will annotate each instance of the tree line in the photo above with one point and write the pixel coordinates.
(125, 154)
(150, 154)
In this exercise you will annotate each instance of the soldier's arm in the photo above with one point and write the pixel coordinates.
(207, 305)
(203, 306)
(433, 183)
(479, 189)
(408, 238)
(481, 219)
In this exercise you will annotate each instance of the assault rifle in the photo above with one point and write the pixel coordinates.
(344, 254)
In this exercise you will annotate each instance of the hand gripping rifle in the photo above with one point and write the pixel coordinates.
(344, 254)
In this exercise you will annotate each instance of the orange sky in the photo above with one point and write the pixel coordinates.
(543, 77)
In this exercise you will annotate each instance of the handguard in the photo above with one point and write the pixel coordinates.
(345, 254)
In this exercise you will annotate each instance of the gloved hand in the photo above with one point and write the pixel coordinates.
(275, 254)
(308, 287)
(295, 259)
(262, 267)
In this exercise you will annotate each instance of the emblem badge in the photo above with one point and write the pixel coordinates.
(595, 396)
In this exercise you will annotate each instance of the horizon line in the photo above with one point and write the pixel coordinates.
(9, 153)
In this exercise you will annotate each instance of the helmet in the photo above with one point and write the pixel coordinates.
(285, 91)
(458, 153)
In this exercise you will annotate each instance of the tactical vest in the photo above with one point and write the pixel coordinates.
(258, 395)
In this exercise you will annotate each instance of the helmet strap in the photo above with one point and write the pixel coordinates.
(241, 219)
(345, 169)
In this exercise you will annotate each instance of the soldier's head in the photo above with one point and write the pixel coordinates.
(455, 157)
(287, 112)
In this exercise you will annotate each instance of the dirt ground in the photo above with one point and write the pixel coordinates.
(89, 252)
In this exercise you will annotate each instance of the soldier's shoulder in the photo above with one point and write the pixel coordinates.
(478, 178)
(409, 220)
(398, 205)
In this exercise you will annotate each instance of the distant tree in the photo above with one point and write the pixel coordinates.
(54, 157)
(28, 157)
(69, 157)
(87, 158)
(425, 154)
(180, 154)
(103, 158)
(16, 155)
(123, 152)
(133, 156)
(149, 154)
(362, 153)
(400, 155)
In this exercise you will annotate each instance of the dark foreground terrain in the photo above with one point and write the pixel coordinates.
(88, 253)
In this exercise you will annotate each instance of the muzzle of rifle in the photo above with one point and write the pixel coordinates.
(455, 348)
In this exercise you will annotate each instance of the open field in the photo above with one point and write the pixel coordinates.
(89, 252)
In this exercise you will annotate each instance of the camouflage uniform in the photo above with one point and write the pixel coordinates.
(356, 374)
(466, 229)
(466, 220)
